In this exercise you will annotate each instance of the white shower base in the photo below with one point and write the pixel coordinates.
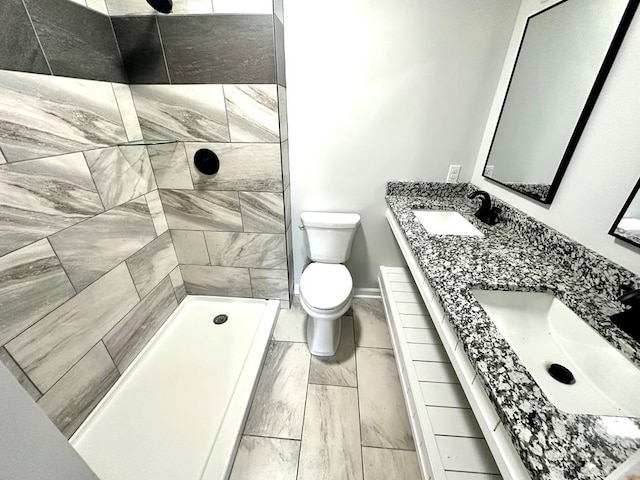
(177, 412)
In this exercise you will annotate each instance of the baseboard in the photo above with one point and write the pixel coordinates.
(357, 292)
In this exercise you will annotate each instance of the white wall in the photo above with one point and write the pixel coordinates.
(605, 165)
(381, 91)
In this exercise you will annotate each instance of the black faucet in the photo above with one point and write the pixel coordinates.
(486, 213)
(629, 320)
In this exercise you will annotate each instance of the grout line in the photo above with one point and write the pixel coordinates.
(37, 37)
(22, 370)
(355, 354)
(164, 56)
(226, 111)
(115, 40)
(389, 448)
(304, 419)
(109, 353)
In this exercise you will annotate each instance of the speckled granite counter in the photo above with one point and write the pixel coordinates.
(522, 254)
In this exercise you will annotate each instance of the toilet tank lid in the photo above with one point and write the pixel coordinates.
(330, 219)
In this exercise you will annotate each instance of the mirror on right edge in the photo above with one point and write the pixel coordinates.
(627, 225)
(564, 57)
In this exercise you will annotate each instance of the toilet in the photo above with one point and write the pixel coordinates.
(326, 286)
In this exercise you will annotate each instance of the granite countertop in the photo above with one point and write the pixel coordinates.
(552, 444)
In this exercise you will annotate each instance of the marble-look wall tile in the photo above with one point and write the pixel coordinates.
(178, 284)
(151, 264)
(253, 112)
(32, 284)
(383, 415)
(43, 115)
(266, 458)
(71, 400)
(200, 210)
(141, 49)
(19, 46)
(134, 331)
(92, 248)
(121, 173)
(257, 250)
(282, 113)
(284, 152)
(262, 212)
(181, 112)
(281, 71)
(191, 248)
(169, 162)
(157, 212)
(46, 350)
(2, 159)
(331, 436)
(278, 405)
(287, 203)
(246, 6)
(19, 375)
(221, 281)
(219, 48)
(271, 284)
(249, 166)
(60, 24)
(127, 111)
(277, 9)
(41, 197)
(134, 7)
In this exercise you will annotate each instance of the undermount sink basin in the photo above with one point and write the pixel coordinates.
(543, 331)
(445, 222)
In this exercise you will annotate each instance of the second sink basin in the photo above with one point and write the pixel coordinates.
(445, 222)
(543, 331)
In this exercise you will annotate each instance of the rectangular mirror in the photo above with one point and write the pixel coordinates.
(564, 56)
(627, 225)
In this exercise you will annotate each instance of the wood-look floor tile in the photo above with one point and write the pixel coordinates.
(331, 438)
(341, 368)
(386, 464)
(266, 459)
(383, 414)
(278, 405)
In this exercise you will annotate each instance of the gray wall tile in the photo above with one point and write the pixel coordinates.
(19, 375)
(284, 151)
(181, 112)
(19, 47)
(141, 49)
(223, 281)
(282, 113)
(133, 332)
(219, 48)
(287, 203)
(199, 210)
(190, 247)
(253, 113)
(272, 284)
(41, 197)
(121, 173)
(169, 162)
(258, 250)
(63, 27)
(178, 284)
(151, 264)
(53, 115)
(262, 212)
(243, 166)
(49, 348)
(127, 111)
(92, 248)
(157, 212)
(281, 71)
(71, 400)
(32, 284)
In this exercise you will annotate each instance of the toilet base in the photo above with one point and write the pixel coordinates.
(323, 336)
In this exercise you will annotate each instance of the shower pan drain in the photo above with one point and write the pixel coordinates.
(220, 319)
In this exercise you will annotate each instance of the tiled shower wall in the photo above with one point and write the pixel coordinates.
(88, 268)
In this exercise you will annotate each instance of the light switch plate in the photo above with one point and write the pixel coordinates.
(454, 173)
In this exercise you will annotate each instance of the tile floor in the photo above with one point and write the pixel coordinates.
(339, 418)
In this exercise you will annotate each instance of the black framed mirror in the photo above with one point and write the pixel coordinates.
(564, 57)
(627, 225)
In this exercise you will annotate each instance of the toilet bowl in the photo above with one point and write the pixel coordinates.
(326, 286)
(326, 291)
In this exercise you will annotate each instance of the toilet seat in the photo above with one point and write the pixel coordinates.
(326, 286)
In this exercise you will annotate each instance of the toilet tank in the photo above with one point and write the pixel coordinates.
(329, 236)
